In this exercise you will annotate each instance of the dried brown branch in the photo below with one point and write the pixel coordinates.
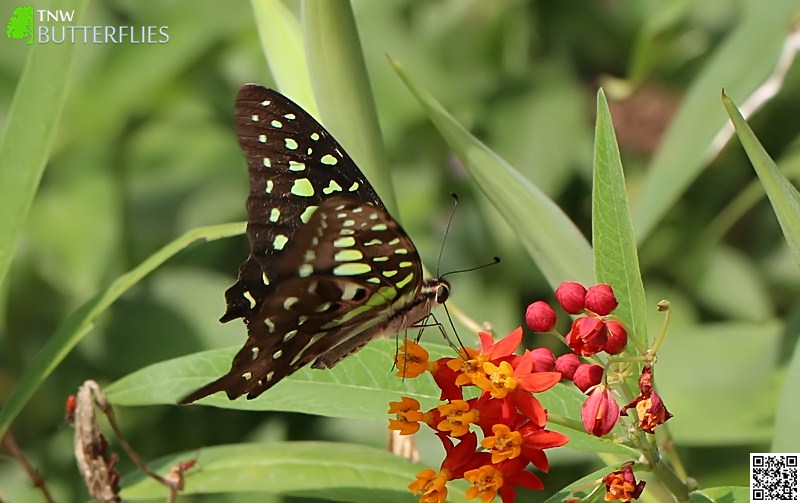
(10, 444)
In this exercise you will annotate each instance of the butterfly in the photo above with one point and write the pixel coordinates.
(329, 269)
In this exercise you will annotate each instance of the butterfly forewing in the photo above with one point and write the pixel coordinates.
(294, 165)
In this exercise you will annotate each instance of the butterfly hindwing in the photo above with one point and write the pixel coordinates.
(347, 272)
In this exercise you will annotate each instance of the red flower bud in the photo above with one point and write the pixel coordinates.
(587, 375)
(600, 299)
(540, 317)
(587, 336)
(543, 360)
(566, 364)
(600, 411)
(617, 337)
(571, 296)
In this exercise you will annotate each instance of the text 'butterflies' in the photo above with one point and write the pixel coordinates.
(329, 268)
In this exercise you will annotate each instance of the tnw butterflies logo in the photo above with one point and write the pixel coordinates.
(42, 26)
(20, 25)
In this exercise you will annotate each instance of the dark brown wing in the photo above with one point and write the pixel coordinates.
(294, 165)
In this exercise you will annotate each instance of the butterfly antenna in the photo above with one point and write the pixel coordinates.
(447, 231)
(495, 261)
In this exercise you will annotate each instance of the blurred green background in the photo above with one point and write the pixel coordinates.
(146, 150)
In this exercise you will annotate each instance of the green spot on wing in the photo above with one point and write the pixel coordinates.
(345, 242)
(351, 269)
(280, 241)
(403, 282)
(306, 215)
(348, 255)
(302, 187)
(332, 187)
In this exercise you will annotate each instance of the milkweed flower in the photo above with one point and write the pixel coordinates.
(411, 360)
(600, 411)
(621, 485)
(408, 416)
(506, 412)
(650, 408)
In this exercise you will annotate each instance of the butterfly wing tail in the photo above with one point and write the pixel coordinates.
(226, 383)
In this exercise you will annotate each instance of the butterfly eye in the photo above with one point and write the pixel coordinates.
(442, 293)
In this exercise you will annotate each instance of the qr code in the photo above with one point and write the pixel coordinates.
(773, 477)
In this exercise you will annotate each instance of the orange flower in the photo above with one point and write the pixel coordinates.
(499, 380)
(470, 365)
(431, 485)
(621, 485)
(457, 417)
(505, 444)
(411, 359)
(408, 416)
(651, 412)
(486, 481)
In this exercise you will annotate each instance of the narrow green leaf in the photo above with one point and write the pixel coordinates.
(785, 438)
(785, 199)
(282, 41)
(554, 242)
(741, 64)
(728, 494)
(29, 130)
(341, 85)
(615, 259)
(319, 470)
(81, 321)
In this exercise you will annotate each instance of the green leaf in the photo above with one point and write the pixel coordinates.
(81, 321)
(359, 387)
(341, 86)
(741, 64)
(318, 470)
(728, 494)
(616, 261)
(725, 269)
(785, 199)
(282, 41)
(730, 365)
(554, 242)
(785, 438)
(29, 131)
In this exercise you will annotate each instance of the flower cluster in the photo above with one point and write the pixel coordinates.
(595, 330)
(505, 412)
